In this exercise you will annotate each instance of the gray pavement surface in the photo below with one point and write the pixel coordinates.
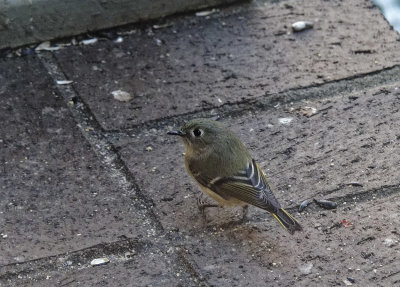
(84, 175)
(241, 53)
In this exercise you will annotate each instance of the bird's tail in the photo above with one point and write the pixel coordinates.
(287, 221)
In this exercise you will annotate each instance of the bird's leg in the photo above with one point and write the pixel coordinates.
(202, 205)
(245, 210)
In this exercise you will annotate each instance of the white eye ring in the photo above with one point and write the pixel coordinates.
(197, 132)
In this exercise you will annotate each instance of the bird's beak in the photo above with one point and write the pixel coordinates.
(176, 133)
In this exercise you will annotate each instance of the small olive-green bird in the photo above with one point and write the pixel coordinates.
(221, 164)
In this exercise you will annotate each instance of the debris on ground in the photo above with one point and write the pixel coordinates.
(89, 41)
(158, 42)
(119, 40)
(389, 242)
(306, 269)
(355, 184)
(304, 204)
(64, 82)
(304, 111)
(45, 46)
(206, 13)
(285, 121)
(363, 240)
(121, 96)
(326, 203)
(345, 223)
(351, 280)
(302, 25)
(347, 282)
(99, 261)
(307, 111)
(156, 27)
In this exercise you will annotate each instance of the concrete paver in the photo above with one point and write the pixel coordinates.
(56, 195)
(131, 264)
(240, 53)
(325, 254)
(347, 147)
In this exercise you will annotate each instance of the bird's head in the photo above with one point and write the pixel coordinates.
(197, 134)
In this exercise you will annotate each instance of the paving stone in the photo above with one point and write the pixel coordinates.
(348, 146)
(239, 53)
(140, 266)
(56, 195)
(253, 255)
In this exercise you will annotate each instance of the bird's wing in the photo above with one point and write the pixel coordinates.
(249, 185)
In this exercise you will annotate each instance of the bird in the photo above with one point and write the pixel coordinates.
(223, 167)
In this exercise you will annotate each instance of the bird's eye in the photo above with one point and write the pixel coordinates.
(197, 132)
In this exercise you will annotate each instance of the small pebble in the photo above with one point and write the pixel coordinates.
(389, 242)
(121, 96)
(351, 280)
(302, 25)
(99, 261)
(306, 269)
(158, 42)
(119, 40)
(285, 121)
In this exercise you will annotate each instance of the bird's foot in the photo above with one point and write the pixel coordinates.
(202, 205)
(245, 211)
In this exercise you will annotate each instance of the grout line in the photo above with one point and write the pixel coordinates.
(116, 252)
(99, 138)
(109, 156)
(93, 133)
(192, 268)
(358, 197)
(349, 199)
(81, 258)
(355, 83)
